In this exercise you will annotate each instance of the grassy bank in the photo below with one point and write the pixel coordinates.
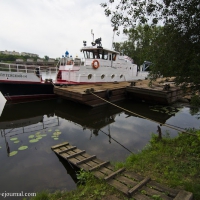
(174, 162)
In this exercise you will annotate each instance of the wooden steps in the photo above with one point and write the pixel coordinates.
(129, 183)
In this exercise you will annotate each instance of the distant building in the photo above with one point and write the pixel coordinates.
(39, 60)
(29, 54)
(18, 54)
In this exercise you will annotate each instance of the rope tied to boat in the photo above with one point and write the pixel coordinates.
(91, 91)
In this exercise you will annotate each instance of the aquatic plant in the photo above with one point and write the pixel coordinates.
(33, 140)
(23, 148)
(13, 153)
(13, 139)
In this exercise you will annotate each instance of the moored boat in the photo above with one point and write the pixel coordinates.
(23, 82)
(100, 65)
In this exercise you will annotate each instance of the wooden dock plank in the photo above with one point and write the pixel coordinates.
(126, 181)
(59, 145)
(114, 174)
(141, 188)
(171, 192)
(98, 174)
(118, 185)
(139, 185)
(139, 196)
(184, 195)
(106, 170)
(151, 192)
(75, 154)
(133, 175)
(99, 166)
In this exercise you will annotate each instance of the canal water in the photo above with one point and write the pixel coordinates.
(28, 130)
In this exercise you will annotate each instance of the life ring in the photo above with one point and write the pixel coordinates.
(95, 64)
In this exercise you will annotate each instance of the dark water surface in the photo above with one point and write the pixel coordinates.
(107, 132)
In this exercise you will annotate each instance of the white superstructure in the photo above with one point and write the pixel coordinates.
(99, 65)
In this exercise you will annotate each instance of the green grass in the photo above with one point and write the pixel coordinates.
(174, 162)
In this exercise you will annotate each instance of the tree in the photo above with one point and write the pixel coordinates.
(176, 50)
(46, 57)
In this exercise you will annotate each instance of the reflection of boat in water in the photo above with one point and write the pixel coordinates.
(99, 117)
(25, 111)
(156, 113)
(90, 118)
(19, 118)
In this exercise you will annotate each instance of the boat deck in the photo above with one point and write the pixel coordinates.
(98, 94)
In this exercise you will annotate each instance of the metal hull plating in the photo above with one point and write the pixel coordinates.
(26, 91)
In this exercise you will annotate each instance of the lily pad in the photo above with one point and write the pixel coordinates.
(23, 148)
(0, 147)
(31, 136)
(16, 141)
(49, 130)
(57, 130)
(37, 133)
(13, 139)
(33, 140)
(56, 138)
(12, 153)
(39, 137)
(43, 135)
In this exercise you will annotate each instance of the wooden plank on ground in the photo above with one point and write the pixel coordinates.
(99, 166)
(139, 196)
(171, 192)
(133, 175)
(184, 195)
(118, 185)
(114, 174)
(59, 145)
(151, 192)
(126, 181)
(139, 185)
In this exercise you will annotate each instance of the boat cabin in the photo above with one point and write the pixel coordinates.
(99, 53)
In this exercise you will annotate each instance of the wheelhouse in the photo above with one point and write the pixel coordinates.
(99, 53)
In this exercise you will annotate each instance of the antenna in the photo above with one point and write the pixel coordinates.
(92, 34)
(114, 29)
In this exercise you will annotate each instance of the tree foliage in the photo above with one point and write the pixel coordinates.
(175, 50)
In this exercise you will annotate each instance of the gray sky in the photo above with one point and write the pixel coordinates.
(50, 27)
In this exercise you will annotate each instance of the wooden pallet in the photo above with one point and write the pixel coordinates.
(129, 183)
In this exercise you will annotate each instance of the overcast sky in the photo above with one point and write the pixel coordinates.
(50, 27)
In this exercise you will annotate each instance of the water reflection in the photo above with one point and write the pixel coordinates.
(28, 130)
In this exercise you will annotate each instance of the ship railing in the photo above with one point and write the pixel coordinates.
(46, 71)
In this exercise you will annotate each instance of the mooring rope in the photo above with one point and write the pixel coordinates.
(161, 124)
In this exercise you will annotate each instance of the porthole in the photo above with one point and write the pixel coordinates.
(112, 76)
(89, 76)
(102, 76)
(121, 76)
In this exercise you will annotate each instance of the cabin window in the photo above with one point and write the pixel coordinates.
(96, 54)
(105, 55)
(89, 76)
(114, 56)
(112, 76)
(102, 76)
(121, 76)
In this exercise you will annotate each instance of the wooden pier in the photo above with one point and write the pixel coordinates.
(129, 183)
(112, 92)
(81, 93)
